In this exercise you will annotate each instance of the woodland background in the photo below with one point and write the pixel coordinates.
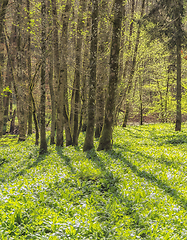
(79, 65)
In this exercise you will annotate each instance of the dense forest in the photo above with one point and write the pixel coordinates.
(78, 77)
(74, 65)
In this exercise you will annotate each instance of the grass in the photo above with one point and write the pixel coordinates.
(136, 191)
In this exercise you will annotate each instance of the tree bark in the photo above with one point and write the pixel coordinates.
(35, 120)
(127, 65)
(102, 66)
(133, 65)
(43, 143)
(85, 75)
(2, 17)
(51, 69)
(21, 86)
(59, 85)
(105, 141)
(64, 67)
(29, 70)
(78, 63)
(88, 143)
(6, 99)
(178, 26)
(3, 119)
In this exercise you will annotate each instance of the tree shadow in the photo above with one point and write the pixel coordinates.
(67, 160)
(2, 161)
(110, 185)
(162, 159)
(151, 178)
(38, 160)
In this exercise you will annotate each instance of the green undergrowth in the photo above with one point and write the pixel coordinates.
(138, 190)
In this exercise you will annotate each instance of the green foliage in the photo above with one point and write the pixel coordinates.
(135, 191)
(6, 90)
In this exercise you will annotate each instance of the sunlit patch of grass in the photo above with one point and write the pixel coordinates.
(137, 190)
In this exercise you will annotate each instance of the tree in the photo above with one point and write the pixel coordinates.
(43, 143)
(59, 85)
(21, 81)
(104, 38)
(51, 69)
(30, 108)
(64, 72)
(178, 13)
(133, 64)
(88, 143)
(2, 17)
(78, 64)
(167, 17)
(105, 141)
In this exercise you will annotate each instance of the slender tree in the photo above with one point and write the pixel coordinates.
(30, 109)
(104, 36)
(43, 143)
(88, 143)
(178, 12)
(51, 69)
(20, 80)
(105, 141)
(78, 65)
(59, 85)
(167, 17)
(64, 71)
(133, 64)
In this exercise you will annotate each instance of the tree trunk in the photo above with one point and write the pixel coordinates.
(2, 60)
(127, 65)
(21, 86)
(2, 17)
(88, 143)
(35, 120)
(53, 103)
(141, 100)
(29, 70)
(161, 102)
(59, 85)
(126, 114)
(133, 64)
(12, 123)
(64, 55)
(102, 66)
(51, 87)
(43, 143)
(78, 63)
(178, 26)
(105, 141)
(85, 76)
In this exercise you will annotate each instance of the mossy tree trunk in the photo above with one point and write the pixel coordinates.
(88, 143)
(105, 141)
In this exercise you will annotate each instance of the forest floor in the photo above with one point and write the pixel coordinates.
(138, 190)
